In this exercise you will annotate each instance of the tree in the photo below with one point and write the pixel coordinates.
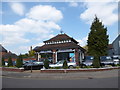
(31, 52)
(65, 65)
(97, 41)
(10, 61)
(3, 61)
(46, 63)
(86, 48)
(19, 61)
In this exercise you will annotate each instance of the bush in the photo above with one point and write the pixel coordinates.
(10, 62)
(77, 67)
(3, 61)
(19, 62)
(88, 66)
(55, 68)
(46, 64)
(65, 65)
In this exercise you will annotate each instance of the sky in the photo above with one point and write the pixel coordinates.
(26, 24)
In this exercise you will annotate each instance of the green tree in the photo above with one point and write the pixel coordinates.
(46, 64)
(65, 65)
(3, 61)
(31, 52)
(19, 61)
(10, 62)
(97, 41)
(86, 48)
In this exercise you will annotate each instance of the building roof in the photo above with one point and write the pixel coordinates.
(12, 55)
(110, 46)
(61, 46)
(2, 49)
(61, 37)
(117, 39)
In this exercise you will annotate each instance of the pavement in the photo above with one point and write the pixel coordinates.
(61, 76)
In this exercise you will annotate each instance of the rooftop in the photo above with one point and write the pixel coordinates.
(58, 46)
(2, 49)
(61, 37)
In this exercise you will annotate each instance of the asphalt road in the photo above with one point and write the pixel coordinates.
(111, 82)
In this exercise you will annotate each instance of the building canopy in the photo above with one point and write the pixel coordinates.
(61, 41)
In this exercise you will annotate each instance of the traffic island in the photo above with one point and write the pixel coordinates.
(12, 69)
(76, 70)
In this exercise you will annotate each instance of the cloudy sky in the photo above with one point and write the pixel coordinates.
(26, 24)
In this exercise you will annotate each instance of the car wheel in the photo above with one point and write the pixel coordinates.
(71, 67)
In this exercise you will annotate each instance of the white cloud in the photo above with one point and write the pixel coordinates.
(73, 4)
(46, 12)
(28, 31)
(104, 10)
(1, 12)
(11, 35)
(83, 41)
(17, 8)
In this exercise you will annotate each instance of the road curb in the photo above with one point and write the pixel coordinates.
(76, 70)
(60, 70)
(12, 69)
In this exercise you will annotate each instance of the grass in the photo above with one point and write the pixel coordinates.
(55, 68)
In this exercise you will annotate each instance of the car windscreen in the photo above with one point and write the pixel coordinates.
(87, 58)
(115, 57)
(104, 58)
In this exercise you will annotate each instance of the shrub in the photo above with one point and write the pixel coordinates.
(19, 62)
(77, 67)
(3, 61)
(65, 65)
(10, 62)
(46, 64)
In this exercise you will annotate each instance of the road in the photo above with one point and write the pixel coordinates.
(100, 79)
(111, 82)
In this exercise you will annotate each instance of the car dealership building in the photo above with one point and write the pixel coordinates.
(61, 47)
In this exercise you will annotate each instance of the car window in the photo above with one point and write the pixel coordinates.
(105, 58)
(89, 58)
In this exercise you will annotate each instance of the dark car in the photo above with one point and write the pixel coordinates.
(33, 65)
(106, 60)
(88, 61)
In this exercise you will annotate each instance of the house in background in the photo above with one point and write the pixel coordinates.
(61, 47)
(110, 50)
(6, 54)
(114, 48)
(3, 51)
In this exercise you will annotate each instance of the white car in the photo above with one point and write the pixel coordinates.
(106, 60)
(60, 64)
(116, 59)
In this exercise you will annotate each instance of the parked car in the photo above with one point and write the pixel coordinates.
(14, 63)
(106, 60)
(6, 63)
(60, 64)
(116, 59)
(43, 59)
(34, 65)
(88, 61)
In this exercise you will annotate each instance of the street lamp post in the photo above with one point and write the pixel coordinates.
(31, 68)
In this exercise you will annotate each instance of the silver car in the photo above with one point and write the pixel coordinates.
(88, 61)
